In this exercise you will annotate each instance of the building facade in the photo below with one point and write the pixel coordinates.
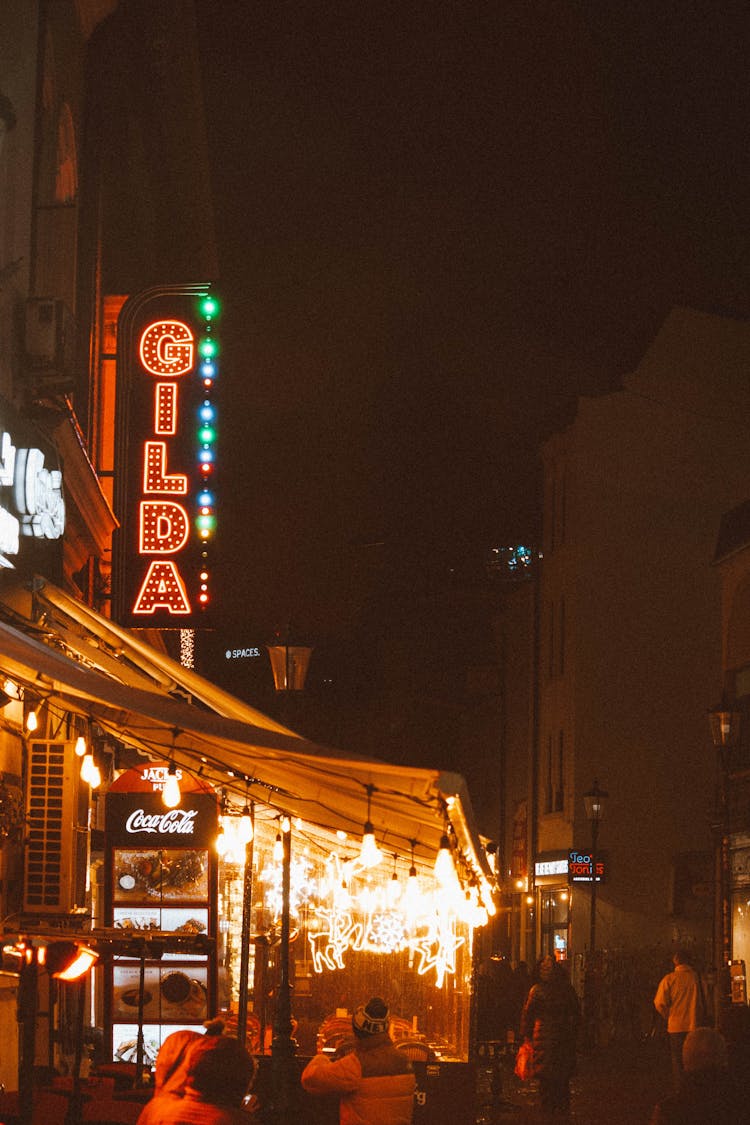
(629, 644)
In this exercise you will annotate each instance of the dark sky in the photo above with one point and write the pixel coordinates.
(437, 222)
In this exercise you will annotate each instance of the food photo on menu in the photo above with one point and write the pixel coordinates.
(166, 873)
(168, 993)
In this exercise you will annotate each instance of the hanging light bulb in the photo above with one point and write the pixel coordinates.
(222, 842)
(444, 872)
(278, 849)
(32, 721)
(170, 794)
(90, 771)
(369, 854)
(393, 891)
(245, 830)
(80, 746)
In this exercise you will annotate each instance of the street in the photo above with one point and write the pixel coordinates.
(615, 1085)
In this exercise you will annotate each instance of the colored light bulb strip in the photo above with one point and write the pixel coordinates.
(205, 515)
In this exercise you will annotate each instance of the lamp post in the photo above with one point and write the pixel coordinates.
(725, 730)
(289, 664)
(593, 801)
(283, 1044)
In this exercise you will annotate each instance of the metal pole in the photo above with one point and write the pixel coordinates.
(284, 1047)
(247, 902)
(594, 841)
(724, 982)
(27, 1013)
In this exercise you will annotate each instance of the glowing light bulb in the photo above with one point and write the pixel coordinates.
(370, 854)
(80, 746)
(246, 826)
(278, 849)
(171, 795)
(87, 769)
(32, 722)
(443, 862)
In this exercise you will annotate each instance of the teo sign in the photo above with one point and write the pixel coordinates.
(167, 363)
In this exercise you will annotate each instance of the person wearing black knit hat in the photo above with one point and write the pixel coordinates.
(374, 1081)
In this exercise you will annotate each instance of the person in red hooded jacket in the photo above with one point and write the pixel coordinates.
(217, 1072)
(374, 1081)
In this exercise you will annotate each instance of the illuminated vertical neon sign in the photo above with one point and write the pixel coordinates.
(166, 458)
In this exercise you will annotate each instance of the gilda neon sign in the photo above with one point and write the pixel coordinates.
(168, 509)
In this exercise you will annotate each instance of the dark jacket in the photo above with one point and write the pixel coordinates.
(550, 1020)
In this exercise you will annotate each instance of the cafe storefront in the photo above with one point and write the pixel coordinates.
(281, 869)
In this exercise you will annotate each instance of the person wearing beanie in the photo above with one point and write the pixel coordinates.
(708, 1092)
(217, 1072)
(374, 1081)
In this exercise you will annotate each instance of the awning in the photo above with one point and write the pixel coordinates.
(124, 686)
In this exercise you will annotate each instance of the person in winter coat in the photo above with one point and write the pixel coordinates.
(550, 1021)
(708, 1092)
(218, 1072)
(374, 1081)
(679, 1000)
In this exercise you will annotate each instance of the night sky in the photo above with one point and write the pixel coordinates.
(437, 223)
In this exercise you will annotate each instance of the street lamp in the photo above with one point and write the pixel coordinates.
(283, 1044)
(289, 663)
(594, 805)
(593, 802)
(725, 731)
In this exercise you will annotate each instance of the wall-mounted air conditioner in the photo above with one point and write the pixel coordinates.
(52, 859)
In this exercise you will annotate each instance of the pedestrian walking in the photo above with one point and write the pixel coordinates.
(550, 1020)
(679, 1000)
(374, 1080)
(708, 1095)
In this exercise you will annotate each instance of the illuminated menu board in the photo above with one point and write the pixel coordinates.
(160, 889)
(165, 458)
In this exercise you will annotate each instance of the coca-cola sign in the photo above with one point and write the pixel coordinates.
(137, 820)
(180, 821)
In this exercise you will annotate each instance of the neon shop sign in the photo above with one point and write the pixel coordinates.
(581, 865)
(167, 507)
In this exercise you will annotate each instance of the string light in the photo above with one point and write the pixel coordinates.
(32, 721)
(394, 887)
(278, 849)
(444, 870)
(171, 794)
(90, 772)
(246, 830)
(370, 854)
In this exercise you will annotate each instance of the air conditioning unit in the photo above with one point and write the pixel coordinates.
(50, 338)
(50, 885)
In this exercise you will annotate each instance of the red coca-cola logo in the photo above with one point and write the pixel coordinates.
(180, 821)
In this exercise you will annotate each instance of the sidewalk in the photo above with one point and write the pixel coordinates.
(614, 1085)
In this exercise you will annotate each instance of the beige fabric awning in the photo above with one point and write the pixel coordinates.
(124, 686)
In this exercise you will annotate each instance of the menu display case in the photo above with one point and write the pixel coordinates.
(160, 889)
